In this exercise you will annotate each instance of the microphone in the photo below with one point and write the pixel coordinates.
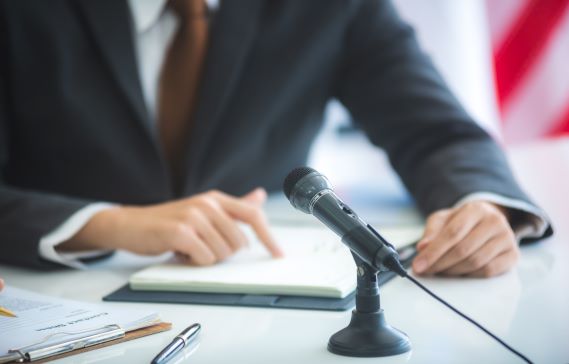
(310, 192)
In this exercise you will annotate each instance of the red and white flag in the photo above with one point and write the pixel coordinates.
(530, 40)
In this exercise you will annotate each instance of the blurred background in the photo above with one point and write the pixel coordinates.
(508, 63)
(506, 60)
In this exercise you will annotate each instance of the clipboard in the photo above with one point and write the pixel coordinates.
(94, 339)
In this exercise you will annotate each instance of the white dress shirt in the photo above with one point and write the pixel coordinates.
(154, 28)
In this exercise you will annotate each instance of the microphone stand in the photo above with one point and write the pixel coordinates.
(368, 334)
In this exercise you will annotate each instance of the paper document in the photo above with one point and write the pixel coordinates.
(48, 320)
(316, 264)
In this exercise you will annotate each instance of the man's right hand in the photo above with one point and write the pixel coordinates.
(203, 228)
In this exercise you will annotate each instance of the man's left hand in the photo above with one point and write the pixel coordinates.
(472, 240)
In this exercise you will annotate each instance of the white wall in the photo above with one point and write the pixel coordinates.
(456, 35)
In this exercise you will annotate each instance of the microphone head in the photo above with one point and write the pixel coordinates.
(302, 184)
(293, 177)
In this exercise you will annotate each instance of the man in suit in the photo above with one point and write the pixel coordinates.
(147, 126)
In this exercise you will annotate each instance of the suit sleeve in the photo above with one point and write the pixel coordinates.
(398, 98)
(25, 216)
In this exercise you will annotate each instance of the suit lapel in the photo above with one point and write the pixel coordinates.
(111, 26)
(231, 36)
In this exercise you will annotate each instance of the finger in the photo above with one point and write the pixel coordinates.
(262, 231)
(459, 223)
(258, 196)
(458, 226)
(195, 248)
(1, 284)
(255, 217)
(227, 227)
(183, 258)
(482, 256)
(211, 236)
(475, 239)
(501, 264)
(435, 223)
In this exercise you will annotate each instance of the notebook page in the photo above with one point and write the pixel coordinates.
(316, 264)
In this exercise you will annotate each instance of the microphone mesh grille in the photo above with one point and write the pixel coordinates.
(293, 177)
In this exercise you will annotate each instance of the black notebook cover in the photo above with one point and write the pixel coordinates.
(125, 294)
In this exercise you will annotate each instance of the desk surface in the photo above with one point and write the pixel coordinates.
(528, 306)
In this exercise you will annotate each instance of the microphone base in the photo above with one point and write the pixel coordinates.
(369, 335)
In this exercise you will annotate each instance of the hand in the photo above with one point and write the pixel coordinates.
(472, 240)
(203, 229)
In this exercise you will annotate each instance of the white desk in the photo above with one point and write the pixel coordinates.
(528, 307)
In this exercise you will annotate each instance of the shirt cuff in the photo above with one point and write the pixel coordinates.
(65, 231)
(532, 224)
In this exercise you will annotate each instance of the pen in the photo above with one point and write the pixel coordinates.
(179, 342)
(6, 312)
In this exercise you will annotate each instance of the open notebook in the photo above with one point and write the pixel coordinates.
(316, 264)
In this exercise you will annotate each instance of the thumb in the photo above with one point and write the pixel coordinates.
(258, 196)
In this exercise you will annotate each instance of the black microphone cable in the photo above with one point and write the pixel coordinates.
(393, 264)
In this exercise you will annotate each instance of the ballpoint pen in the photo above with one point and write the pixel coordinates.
(179, 342)
(7, 313)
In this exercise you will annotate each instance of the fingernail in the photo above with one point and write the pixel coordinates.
(278, 252)
(423, 243)
(258, 195)
(420, 264)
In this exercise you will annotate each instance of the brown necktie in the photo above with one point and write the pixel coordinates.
(179, 80)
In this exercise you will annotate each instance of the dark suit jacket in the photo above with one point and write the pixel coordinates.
(74, 128)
